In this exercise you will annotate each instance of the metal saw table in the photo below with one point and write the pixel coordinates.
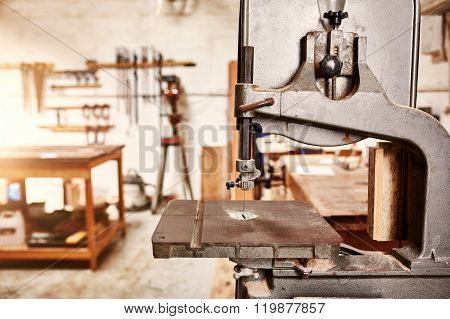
(266, 230)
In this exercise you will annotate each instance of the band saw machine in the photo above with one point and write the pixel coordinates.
(325, 73)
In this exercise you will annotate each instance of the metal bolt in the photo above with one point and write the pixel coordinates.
(331, 66)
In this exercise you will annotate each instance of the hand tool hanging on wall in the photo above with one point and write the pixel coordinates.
(156, 98)
(123, 64)
(40, 71)
(124, 78)
(61, 117)
(96, 117)
(118, 77)
(85, 79)
(136, 89)
(96, 129)
(158, 60)
(127, 87)
(129, 103)
(145, 76)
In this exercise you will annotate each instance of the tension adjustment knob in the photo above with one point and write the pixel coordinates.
(335, 17)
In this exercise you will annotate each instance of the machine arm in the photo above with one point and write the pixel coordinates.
(335, 99)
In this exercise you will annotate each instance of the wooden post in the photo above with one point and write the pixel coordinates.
(23, 195)
(214, 173)
(90, 224)
(384, 220)
(121, 204)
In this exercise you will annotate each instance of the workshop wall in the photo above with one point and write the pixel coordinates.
(66, 32)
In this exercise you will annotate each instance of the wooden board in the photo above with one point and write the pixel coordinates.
(77, 128)
(54, 161)
(63, 253)
(385, 192)
(433, 7)
(433, 43)
(214, 173)
(343, 194)
(74, 153)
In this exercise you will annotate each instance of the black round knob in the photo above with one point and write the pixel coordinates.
(331, 66)
(335, 17)
(230, 185)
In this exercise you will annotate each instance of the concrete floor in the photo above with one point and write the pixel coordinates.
(128, 270)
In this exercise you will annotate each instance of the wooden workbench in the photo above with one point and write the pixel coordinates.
(65, 162)
(340, 198)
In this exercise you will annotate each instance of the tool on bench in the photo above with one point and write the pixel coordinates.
(329, 95)
(172, 92)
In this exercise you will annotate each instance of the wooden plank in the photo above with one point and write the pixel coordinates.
(343, 194)
(214, 173)
(385, 192)
(55, 154)
(121, 204)
(76, 86)
(54, 161)
(433, 7)
(90, 223)
(433, 39)
(76, 128)
(113, 156)
(104, 238)
(65, 253)
(43, 173)
(94, 65)
(53, 253)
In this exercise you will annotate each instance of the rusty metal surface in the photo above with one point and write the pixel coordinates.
(285, 229)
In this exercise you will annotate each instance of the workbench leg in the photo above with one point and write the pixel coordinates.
(90, 224)
(23, 196)
(23, 202)
(121, 204)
